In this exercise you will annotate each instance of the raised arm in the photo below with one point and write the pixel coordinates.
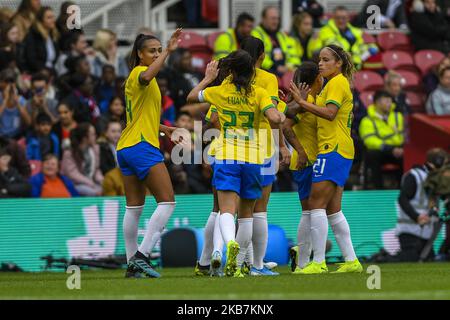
(146, 76)
(211, 73)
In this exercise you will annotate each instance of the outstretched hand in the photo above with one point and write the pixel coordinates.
(174, 40)
(212, 70)
(299, 93)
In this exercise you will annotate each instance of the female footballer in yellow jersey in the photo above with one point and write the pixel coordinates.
(239, 151)
(138, 153)
(301, 133)
(334, 111)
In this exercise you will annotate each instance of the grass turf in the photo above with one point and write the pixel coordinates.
(398, 281)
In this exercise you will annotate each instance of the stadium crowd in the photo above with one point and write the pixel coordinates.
(62, 105)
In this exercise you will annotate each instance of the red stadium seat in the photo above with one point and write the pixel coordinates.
(416, 101)
(35, 166)
(367, 80)
(200, 59)
(211, 39)
(398, 60)
(191, 40)
(411, 80)
(427, 59)
(367, 98)
(368, 38)
(394, 40)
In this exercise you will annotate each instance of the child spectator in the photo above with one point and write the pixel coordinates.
(108, 156)
(14, 117)
(38, 101)
(439, 100)
(43, 141)
(81, 163)
(18, 156)
(65, 124)
(49, 183)
(12, 184)
(382, 132)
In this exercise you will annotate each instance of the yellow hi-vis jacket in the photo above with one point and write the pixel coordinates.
(378, 133)
(330, 34)
(287, 45)
(225, 44)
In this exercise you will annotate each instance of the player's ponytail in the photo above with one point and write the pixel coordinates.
(347, 65)
(137, 46)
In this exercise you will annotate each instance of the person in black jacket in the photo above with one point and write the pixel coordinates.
(312, 7)
(429, 29)
(392, 14)
(108, 156)
(12, 184)
(18, 156)
(40, 47)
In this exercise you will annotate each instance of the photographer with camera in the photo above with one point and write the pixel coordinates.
(416, 207)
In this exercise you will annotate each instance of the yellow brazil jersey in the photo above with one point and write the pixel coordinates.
(212, 145)
(269, 82)
(335, 135)
(143, 107)
(306, 131)
(239, 117)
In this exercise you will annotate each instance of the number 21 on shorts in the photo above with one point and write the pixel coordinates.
(319, 166)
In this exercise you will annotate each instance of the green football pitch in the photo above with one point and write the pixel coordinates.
(397, 281)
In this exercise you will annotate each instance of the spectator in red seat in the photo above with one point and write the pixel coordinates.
(14, 117)
(12, 184)
(302, 31)
(41, 43)
(49, 183)
(25, 16)
(9, 39)
(429, 28)
(231, 40)
(439, 100)
(65, 125)
(312, 7)
(431, 79)
(81, 163)
(43, 140)
(18, 156)
(382, 131)
(393, 85)
(38, 101)
(392, 14)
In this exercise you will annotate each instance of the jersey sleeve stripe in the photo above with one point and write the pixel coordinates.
(267, 108)
(337, 104)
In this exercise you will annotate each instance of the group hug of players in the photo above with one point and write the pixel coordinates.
(254, 124)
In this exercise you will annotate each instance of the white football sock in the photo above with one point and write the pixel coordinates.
(130, 229)
(156, 225)
(217, 238)
(319, 233)
(341, 231)
(249, 254)
(208, 240)
(227, 227)
(260, 237)
(244, 237)
(304, 239)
